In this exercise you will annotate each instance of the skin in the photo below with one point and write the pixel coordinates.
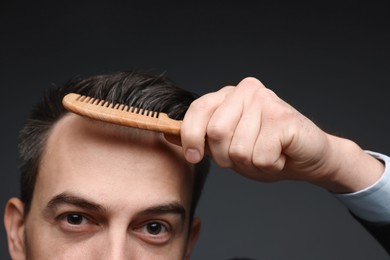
(246, 127)
(251, 130)
(105, 192)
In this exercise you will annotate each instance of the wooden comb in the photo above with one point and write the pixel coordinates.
(121, 114)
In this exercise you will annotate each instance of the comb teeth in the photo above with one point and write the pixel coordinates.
(117, 106)
(121, 114)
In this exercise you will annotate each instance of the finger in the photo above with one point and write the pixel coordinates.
(222, 125)
(247, 130)
(194, 125)
(267, 153)
(234, 126)
(268, 156)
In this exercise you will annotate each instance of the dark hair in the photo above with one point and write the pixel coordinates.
(147, 91)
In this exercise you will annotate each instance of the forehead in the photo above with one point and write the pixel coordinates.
(111, 163)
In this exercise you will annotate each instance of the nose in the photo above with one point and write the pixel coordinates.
(117, 246)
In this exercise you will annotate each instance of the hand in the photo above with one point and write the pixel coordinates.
(250, 129)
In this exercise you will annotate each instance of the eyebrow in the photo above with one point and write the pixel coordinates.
(170, 208)
(70, 199)
(66, 198)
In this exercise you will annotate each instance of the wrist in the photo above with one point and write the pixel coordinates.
(350, 168)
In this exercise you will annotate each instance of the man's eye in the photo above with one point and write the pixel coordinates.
(155, 232)
(75, 219)
(155, 228)
(74, 222)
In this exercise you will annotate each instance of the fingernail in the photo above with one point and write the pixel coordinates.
(193, 155)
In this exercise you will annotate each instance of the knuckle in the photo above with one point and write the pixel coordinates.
(201, 103)
(277, 111)
(217, 132)
(240, 154)
(261, 162)
(250, 86)
(267, 164)
(265, 94)
(251, 81)
(209, 100)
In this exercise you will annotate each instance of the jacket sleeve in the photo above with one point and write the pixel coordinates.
(380, 232)
(371, 206)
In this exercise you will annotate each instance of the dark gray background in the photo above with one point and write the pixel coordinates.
(331, 61)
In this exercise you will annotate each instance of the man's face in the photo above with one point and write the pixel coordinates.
(105, 192)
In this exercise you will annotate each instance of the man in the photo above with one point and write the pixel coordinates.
(91, 190)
